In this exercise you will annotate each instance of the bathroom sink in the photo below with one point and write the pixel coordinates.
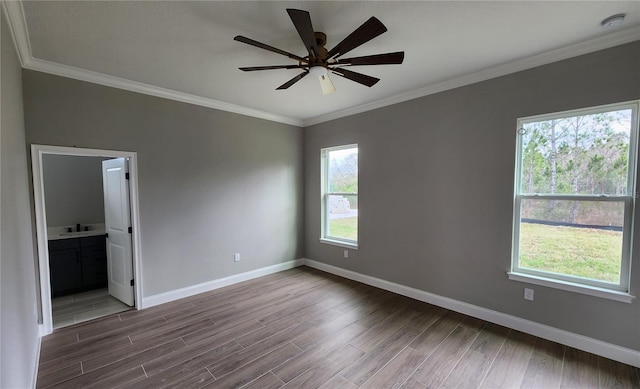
(79, 233)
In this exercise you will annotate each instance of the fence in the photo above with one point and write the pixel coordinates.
(563, 224)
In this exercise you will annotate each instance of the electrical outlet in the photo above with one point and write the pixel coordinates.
(236, 257)
(528, 294)
(346, 253)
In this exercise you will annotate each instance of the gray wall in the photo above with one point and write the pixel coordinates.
(73, 189)
(211, 183)
(436, 190)
(19, 320)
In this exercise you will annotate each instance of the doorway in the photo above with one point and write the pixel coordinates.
(76, 236)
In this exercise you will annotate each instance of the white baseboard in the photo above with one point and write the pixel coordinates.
(188, 291)
(42, 330)
(34, 377)
(607, 350)
(584, 343)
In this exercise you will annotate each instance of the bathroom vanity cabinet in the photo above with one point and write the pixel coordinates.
(77, 264)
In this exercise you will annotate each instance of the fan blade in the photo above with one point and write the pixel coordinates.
(357, 77)
(293, 80)
(378, 59)
(254, 68)
(251, 42)
(326, 85)
(302, 21)
(367, 31)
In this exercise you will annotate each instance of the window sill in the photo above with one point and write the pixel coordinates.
(353, 246)
(572, 287)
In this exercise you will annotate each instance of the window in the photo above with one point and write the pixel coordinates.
(574, 198)
(340, 195)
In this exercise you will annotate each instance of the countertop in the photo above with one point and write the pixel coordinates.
(57, 233)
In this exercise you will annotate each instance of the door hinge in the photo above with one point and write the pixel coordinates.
(106, 236)
(126, 176)
(130, 230)
(131, 283)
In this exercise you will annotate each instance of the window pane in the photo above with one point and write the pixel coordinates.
(343, 170)
(576, 238)
(587, 154)
(342, 218)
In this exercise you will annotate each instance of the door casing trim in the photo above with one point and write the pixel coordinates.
(37, 152)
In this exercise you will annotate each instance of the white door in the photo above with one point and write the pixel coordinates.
(117, 221)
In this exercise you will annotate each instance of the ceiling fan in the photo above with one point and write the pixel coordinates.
(321, 61)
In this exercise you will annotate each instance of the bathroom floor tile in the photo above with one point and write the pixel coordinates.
(84, 306)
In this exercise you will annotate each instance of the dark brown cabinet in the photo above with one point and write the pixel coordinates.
(77, 264)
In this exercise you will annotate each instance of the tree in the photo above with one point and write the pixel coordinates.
(343, 174)
(533, 159)
(582, 154)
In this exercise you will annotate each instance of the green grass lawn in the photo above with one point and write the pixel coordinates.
(344, 228)
(581, 252)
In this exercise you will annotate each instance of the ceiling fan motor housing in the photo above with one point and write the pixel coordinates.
(320, 58)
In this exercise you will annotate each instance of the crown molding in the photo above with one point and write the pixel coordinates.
(18, 27)
(139, 87)
(585, 47)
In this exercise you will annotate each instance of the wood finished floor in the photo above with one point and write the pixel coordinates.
(303, 328)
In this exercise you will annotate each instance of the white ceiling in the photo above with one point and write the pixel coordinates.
(185, 50)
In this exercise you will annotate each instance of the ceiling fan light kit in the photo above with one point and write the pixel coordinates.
(320, 61)
(326, 85)
(318, 71)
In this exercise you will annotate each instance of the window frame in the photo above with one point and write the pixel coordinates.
(325, 194)
(598, 288)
